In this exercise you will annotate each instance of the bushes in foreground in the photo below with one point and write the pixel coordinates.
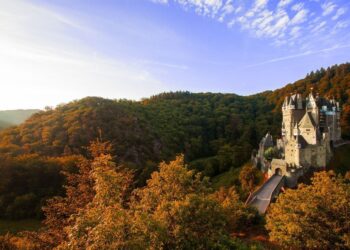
(315, 216)
(175, 210)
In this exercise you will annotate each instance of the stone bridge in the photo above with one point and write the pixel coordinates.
(262, 197)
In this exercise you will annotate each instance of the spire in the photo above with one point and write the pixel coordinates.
(296, 131)
(299, 101)
(311, 103)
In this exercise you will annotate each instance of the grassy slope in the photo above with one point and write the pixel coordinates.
(17, 226)
(227, 179)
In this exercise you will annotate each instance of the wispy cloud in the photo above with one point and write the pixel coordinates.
(298, 55)
(164, 64)
(328, 8)
(298, 6)
(341, 11)
(300, 16)
(278, 21)
(284, 3)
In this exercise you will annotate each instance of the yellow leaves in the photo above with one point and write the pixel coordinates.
(314, 216)
(249, 177)
(104, 222)
(175, 210)
(11, 242)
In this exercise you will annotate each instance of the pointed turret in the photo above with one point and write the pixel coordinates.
(312, 108)
(311, 102)
(296, 131)
(291, 104)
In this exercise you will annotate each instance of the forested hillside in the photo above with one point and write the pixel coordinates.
(226, 127)
(215, 132)
(333, 82)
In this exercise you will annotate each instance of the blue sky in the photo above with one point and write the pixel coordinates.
(56, 51)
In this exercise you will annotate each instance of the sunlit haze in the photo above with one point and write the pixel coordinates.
(53, 52)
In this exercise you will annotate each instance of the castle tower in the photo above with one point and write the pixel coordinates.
(312, 108)
(293, 111)
(334, 122)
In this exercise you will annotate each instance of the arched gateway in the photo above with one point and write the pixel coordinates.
(278, 171)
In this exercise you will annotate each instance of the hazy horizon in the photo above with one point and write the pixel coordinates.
(111, 98)
(57, 52)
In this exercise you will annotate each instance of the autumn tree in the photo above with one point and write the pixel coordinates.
(59, 210)
(6, 242)
(177, 211)
(105, 222)
(316, 216)
(12, 242)
(173, 211)
(235, 211)
(249, 177)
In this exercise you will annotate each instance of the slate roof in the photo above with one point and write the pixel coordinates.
(267, 141)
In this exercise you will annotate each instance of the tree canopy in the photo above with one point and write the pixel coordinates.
(315, 216)
(175, 210)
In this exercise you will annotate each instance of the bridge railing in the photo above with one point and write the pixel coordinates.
(254, 194)
(278, 188)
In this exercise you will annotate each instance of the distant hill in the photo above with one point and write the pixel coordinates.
(219, 129)
(4, 125)
(214, 131)
(14, 117)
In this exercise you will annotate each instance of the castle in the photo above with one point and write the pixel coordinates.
(310, 127)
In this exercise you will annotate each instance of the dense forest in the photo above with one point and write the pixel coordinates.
(214, 132)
